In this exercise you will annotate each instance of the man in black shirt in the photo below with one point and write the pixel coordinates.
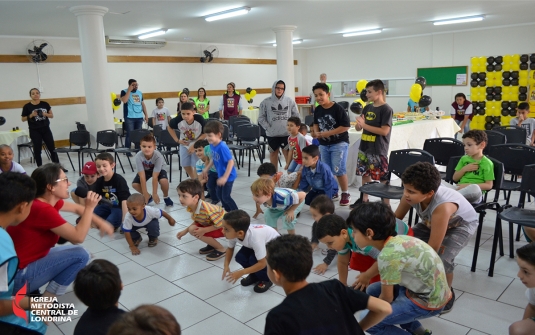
(318, 308)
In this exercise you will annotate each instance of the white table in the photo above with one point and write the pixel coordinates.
(13, 138)
(405, 136)
(251, 114)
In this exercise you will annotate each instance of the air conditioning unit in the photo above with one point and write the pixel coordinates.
(125, 42)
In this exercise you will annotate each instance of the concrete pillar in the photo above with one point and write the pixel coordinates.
(285, 57)
(94, 67)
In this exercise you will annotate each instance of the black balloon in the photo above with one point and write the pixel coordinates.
(532, 66)
(490, 60)
(505, 104)
(2, 120)
(356, 108)
(482, 83)
(523, 89)
(524, 58)
(482, 111)
(488, 119)
(512, 113)
(488, 126)
(497, 97)
(473, 75)
(498, 59)
(515, 74)
(250, 101)
(498, 67)
(473, 83)
(490, 68)
(532, 58)
(513, 104)
(522, 97)
(506, 74)
(514, 82)
(490, 97)
(505, 112)
(425, 101)
(363, 96)
(506, 82)
(498, 89)
(116, 102)
(248, 90)
(421, 80)
(524, 66)
(497, 119)
(489, 90)
(482, 75)
(185, 90)
(496, 124)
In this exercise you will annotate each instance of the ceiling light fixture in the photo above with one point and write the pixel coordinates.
(460, 20)
(362, 32)
(226, 14)
(299, 41)
(152, 34)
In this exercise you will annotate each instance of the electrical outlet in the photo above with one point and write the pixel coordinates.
(41, 89)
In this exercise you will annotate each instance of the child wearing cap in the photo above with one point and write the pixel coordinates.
(87, 181)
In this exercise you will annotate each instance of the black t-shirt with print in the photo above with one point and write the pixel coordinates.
(318, 308)
(116, 189)
(39, 121)
(329, 119)
(376, 117)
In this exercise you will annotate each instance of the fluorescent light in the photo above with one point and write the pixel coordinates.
(227, 14)
(460, 20)
(299, 41)
(152, 34)
(363, 32)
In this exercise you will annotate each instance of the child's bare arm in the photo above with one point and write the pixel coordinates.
(439, 224)
(133, 248)
(343, 263)
(169, 218)
(529, 312)
(378, 310)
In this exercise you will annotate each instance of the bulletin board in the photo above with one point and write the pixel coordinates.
(444, 76)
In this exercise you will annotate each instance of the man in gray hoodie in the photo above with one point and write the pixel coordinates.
(273, 117)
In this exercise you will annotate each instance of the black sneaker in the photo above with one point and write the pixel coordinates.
(207, 196)
(248, 281)
(262, 286)
(206, 250)
(353, 205)
(449, 305)
(215, 255)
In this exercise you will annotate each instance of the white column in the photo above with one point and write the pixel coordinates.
(285, 57)
(94, 67)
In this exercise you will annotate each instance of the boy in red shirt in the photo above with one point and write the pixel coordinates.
(296, 142)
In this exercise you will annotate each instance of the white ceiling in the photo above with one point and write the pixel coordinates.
(319, 23)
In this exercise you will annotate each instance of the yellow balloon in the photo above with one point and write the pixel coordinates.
(514, 90)
(506, 90)
(416, 92)
(490, 82)
(523, 74)
(179, 93)
(252, 94)
(515, 58)
(507, 59)
(115, 107)
(523, 81)
(474, 61)
(515, 66)
(113, 96)
(482, 62)
(247, 96)
(361, 84)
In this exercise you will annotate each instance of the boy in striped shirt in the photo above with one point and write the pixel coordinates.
(279, 202)
(207, 219)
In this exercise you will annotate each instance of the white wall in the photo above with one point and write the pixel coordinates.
(65, 79)
(401, 57)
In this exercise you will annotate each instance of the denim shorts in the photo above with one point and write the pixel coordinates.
(187, 159)
(294, 167)
(335, 156)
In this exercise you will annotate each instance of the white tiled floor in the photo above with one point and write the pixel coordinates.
(175, 276)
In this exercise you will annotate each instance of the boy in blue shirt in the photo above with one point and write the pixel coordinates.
(283, 202)
(224, 163)
(15, 206)
(316, 175)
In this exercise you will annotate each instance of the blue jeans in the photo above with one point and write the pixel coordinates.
(212, 186)
(223, 193)
(129, 125)
(113, 215)
(335, 156)
(153, 229)
(246, 258)
(294, 167)
(405, 313)
(466, 126)
(58, 269)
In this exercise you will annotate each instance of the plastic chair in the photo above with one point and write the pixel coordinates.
(107, 139)
(248, 139)
(135, 136)
(172, 148)
(494, 138)
(398, 162)
(309, 120)
(482, 207)
(518, 215)
(79, 138)
(442, 149)
(513, 134)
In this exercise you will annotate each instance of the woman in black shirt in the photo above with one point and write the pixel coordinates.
(38, 113)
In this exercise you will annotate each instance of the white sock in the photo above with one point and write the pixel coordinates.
(345, 191)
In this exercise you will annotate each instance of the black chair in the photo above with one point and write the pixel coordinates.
(309, 120)
(398, 162)
(107, 139)
(214, 115)
(248, 140)
(80, 139)
(156, 132)
(494, 138)
(482, 207)
(344, 105)
(514, 158)
(518, 215)
(135, 136)
(244, 117)
(443, 148)
(513, 134)
(171, 148)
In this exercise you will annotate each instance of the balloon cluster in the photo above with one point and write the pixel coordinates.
(115, 102)
(2, 120)
(416, 93)
(358, 105)
(184, 90)
(250, 94)
(498, 83)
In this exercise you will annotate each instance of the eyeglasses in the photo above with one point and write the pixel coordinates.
(279, 88)
(63, 179)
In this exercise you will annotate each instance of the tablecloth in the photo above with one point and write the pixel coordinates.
(251, 114)
(405, 136)
(13, 138)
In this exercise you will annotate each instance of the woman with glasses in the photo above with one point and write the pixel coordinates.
(40, 260)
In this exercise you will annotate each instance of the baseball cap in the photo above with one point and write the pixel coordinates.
(89, 168)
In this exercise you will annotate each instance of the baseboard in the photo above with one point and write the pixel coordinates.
(61, 143)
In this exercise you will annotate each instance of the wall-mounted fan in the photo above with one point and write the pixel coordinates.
(38, 51)
(209, 54)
